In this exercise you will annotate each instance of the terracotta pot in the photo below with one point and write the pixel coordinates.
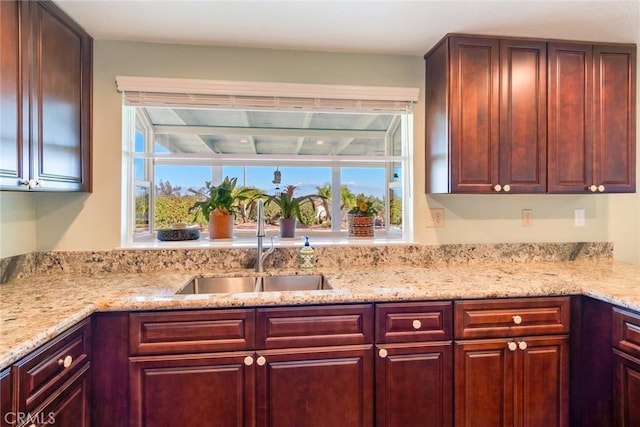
(360, 226)
(287, 227)
(220, 225)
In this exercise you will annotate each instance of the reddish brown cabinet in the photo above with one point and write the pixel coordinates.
(414, 361)
(592, 102)
(514, 379)
(46, 99)
(193, 389)
(529, 116)
(315, 366)
(51, 385)
(626, 362)
(486, 116)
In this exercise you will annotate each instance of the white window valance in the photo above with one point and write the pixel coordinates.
(170, 92)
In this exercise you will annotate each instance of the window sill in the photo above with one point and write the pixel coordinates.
(248, 240)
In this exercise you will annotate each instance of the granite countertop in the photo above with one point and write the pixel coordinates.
(36, 309)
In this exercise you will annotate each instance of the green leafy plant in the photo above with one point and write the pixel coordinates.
(289, 205)
(224, 198)
(363, 207)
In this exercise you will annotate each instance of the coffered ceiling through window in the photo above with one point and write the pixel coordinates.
(260, 132)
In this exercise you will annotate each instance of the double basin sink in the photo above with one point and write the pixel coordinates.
(238, 284)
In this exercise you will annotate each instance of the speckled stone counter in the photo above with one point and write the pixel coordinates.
(35, 309)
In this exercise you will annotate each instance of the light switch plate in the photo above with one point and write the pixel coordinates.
(579, 218)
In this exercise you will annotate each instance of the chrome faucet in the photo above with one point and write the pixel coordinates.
(260, 233)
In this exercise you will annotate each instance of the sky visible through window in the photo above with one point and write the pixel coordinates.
(370, 181)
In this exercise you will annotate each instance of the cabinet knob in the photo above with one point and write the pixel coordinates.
(601, 188)
(24, 182)
(517, 319)
(382, 353)
(66, 362)
(593, 188)
(497, 187)
(416, 324)
(512, 346)
(39, 183)
(506, 188)
(261, 361)
(522, 345)
(248, 361)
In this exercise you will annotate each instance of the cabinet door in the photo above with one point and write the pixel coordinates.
(542, 382)
(523, 116)
(626, 389)
(570, 121)
(414, 385)
(615, 135)
(315, 387)
(14, 152)
(483, 390)
(474, 106)
(6, 397)
(70, 408)
(197, 389)
(60, 103)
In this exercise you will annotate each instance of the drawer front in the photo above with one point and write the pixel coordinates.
(626, 331)
(46, 369)
(410, 322)
(512, 317)
(191, 331)
(314, 326)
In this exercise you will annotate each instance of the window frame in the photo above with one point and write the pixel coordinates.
(134, 115)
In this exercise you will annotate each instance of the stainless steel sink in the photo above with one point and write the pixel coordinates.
(226, 285)
(294, 283)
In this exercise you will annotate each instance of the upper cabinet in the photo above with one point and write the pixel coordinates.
(591, 118)
(529, 116)
(46, 69)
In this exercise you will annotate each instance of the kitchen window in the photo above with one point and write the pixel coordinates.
(351, 144)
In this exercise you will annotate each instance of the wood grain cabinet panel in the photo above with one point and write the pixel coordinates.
(486, 115)
(626, 390)
(414, 321)
(592, 118)
(46, 99)
(499, 385)
(315, 387)
(197, 389)
(47, 369)
(414, 384)
(6, 397)
(512, 317)
(314, 326)
(191, 331)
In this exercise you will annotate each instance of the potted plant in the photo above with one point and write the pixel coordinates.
(290, 208)
(220, 206)
(360, 217)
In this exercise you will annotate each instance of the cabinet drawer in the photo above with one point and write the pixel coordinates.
(512, 317)
(45, 370)
(409, 322)
(191, 331)
(314, 326)
(626, 331)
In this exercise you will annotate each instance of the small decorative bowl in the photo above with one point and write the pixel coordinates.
(177, 234)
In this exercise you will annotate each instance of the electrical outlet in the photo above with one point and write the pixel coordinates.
(527, 217)
(579, 218)
(435, 218)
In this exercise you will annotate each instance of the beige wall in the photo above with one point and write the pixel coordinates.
(84, 222)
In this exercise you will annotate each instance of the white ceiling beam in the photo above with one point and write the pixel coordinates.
(221, 130)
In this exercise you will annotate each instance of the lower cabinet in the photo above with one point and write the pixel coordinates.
(315, 387)
(199, 389)
(626, 364)
(50, 386)
(414, 385)
(626, 390)
(523, 382)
